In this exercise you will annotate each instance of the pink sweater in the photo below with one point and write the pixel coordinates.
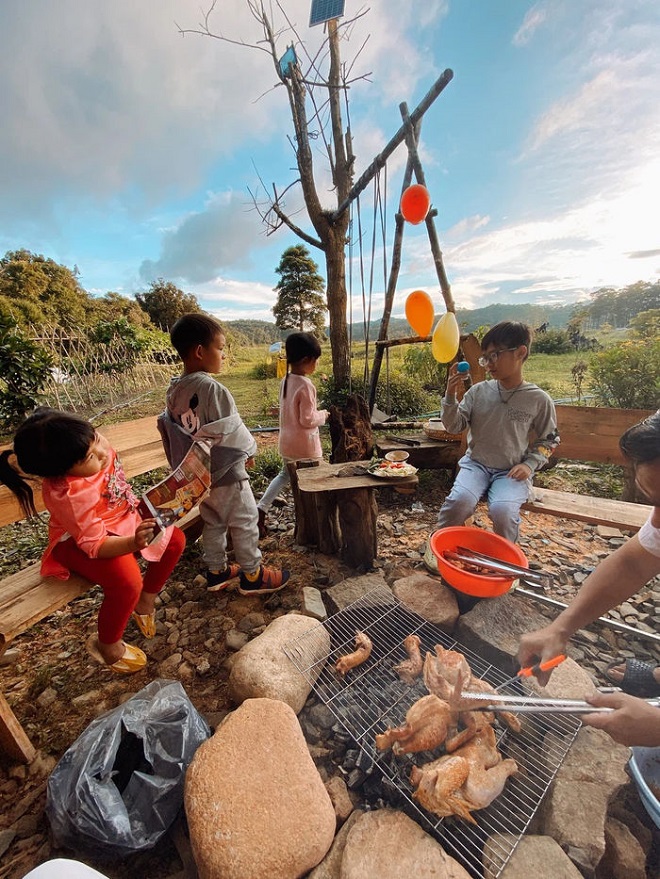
(300, 419)
(90, 509)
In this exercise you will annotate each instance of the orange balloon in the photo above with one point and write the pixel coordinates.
(420, 312)
(415, 203)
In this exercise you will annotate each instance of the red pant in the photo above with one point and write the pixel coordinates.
(121, 580)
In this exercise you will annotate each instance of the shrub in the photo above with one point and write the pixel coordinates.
(552, 342)
(24, 369)
(402, 395)
(265, 369)
(420, 363)
(627, 375)
(267, 465)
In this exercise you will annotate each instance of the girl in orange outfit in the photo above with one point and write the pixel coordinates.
(94, 529)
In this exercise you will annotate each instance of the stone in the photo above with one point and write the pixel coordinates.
(389, 845)
(312, 603)
(567, 681)
(256, 805)
(6, 839)
(353, 588)
(533, 856)
(330, 866)
(235, 640)
(575, 809)
(341, 801)
(428, 597)
(607, 532)
(46, 698)
(262, 669)
(494, 626)
(624, 857)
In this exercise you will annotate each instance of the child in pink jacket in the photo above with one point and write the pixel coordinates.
(299, 417)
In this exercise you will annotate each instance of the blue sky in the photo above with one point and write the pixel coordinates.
(129, 149)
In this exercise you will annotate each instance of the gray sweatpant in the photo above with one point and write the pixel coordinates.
(231, 508)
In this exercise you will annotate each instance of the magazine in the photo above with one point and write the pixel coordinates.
(175, 496)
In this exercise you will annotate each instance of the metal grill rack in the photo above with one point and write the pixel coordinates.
(371, 697)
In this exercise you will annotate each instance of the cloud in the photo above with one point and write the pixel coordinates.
(643, 254)
(533, 19)
(207, 242)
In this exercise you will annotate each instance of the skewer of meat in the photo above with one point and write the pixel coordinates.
(362, 652)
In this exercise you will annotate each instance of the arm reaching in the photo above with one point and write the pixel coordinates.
(633, 722)
(617, 578)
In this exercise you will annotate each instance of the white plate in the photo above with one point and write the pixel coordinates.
(398, 473)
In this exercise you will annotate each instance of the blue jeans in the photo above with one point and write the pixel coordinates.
(505, 497)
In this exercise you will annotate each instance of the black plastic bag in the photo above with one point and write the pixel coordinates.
(120, 785)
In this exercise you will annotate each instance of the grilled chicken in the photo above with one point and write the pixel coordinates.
(362, 652)
(430, 722)
(411, 668)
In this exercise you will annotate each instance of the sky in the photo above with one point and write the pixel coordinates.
(133, 148)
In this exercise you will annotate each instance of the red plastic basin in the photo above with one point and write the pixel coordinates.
(482, 541)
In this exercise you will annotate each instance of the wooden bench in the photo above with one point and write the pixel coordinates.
(338, 513)
(26, 597)
(587, 434)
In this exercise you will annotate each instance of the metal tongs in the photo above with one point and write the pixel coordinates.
(537, 705)
(497, 566)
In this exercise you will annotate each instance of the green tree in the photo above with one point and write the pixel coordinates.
(300, 301)
(114, 307)
(165, 303)
(646, 324)
(24, 369)
(37, 290)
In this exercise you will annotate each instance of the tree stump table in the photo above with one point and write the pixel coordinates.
(427, 454)
(338, 513)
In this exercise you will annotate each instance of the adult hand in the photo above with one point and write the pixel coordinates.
(144, 533)
(521, 472)
(633, 721)
(539, 646)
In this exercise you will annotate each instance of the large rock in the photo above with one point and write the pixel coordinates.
(533, 856)
(624, 857)
(261, 669)
(575, 809)
(342, 594)
(428, 597)
(330, 866)
(255, 803)
(494, 626)
(568, 681)
(389, 845)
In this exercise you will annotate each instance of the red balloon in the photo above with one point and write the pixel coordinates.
(415, 203)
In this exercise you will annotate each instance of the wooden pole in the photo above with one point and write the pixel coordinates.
(439, 85)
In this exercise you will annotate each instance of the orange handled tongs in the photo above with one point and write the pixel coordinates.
(534, 670)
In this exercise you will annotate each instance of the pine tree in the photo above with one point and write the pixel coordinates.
(301, 303)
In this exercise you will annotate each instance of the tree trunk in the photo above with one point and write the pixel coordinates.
(335, 259)
(350, 431)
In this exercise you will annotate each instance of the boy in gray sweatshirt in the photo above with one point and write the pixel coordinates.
(199, 407)
(499, 415)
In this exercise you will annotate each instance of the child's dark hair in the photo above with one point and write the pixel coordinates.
(48, 444)
(194, 329)
(641, 442)
(298, 347)
(508, 334)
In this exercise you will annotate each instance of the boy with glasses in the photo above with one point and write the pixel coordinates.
(499, 415)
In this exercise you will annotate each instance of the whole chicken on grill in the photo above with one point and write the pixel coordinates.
(430, 722)
(411, 668)
(467, 780)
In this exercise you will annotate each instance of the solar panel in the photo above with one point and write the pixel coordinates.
(324, 10)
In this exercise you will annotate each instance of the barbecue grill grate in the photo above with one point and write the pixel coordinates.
(371, 697)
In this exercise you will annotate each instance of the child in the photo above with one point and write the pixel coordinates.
(499, 414)
(199, 407)
(94, 528)
(299, 417)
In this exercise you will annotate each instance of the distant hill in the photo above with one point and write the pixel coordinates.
(261, 332)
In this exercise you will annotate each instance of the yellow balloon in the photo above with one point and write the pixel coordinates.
(420, 312)
(446, 338)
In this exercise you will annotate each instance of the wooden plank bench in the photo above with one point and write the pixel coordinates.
(26, 597)
(339, 513)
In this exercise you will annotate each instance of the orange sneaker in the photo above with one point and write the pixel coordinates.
(268, 580)
(218, 582)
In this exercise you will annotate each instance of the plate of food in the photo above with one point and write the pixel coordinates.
(392, 469)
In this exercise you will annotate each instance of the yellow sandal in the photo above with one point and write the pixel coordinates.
(146, 623)
(133, 659)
